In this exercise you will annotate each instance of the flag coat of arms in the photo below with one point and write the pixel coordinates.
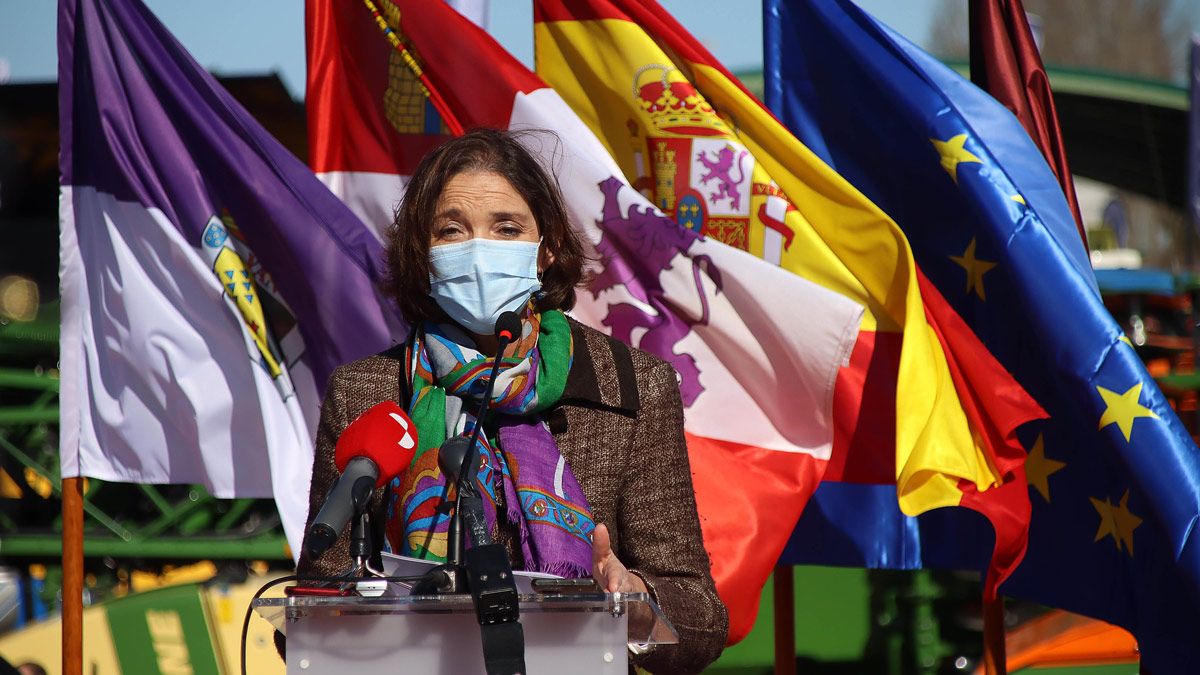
(210, 283)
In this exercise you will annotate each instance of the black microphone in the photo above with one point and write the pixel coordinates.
(508, 325)
(451, 458)
(373, 449)
(453, 455)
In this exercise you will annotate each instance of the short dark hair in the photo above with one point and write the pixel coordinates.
(479, 150)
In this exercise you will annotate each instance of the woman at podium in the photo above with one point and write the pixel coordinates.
(586, 470)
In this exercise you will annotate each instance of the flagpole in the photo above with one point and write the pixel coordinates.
(72, 588)
(785, 621)
(994, 656)
(1193, 151)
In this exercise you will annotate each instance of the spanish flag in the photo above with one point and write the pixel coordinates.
(690, 136)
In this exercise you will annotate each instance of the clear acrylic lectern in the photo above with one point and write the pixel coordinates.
(439, 634)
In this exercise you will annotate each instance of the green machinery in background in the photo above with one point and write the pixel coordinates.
(128, 527)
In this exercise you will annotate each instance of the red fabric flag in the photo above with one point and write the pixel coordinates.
(1006, 64)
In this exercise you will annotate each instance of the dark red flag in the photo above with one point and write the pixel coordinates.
(1006, 64)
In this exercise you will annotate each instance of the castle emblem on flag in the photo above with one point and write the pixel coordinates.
(406, 104)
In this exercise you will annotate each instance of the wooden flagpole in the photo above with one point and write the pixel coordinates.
(72, 588)
(785, 621)
(994, 656)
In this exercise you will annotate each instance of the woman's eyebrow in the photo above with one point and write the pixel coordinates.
(452, 212)
(508, 215)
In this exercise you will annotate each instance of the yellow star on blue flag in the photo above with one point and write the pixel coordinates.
(1039, 468)
(1117, 521)
(954, 153)
(1123, 409)
(975, 268)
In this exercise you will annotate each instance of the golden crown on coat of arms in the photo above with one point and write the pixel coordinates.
(674, 105)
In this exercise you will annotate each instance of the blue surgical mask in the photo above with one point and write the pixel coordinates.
(477, 280)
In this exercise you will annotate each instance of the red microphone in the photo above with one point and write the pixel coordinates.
(385, 435)
(372, 450)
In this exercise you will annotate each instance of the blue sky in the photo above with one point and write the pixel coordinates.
(257, 36)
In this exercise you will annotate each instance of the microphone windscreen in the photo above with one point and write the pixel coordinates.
(451, 456)
(508, 326)
(383, 434)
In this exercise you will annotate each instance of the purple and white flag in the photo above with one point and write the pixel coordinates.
(210, 282)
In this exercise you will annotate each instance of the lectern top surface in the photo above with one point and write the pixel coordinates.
(282, 611)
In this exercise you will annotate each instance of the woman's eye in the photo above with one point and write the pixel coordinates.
(449, 231)
(511, 230)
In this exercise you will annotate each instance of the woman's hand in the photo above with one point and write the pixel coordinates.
(612, 576)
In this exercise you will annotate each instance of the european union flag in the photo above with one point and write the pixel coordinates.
(1114, 478)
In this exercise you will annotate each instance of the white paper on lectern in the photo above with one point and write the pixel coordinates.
(404, 566)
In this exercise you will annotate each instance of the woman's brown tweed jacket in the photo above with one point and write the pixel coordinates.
(620, 426)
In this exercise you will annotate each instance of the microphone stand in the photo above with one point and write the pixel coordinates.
(464, 484)
(360, 543)
(488, 571)
(449, 577)
(360, 532)
(466, 470)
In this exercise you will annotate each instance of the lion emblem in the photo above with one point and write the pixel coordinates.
(721, 169)
(636, 249)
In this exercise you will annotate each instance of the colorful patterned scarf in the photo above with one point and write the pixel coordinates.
(522, 463)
